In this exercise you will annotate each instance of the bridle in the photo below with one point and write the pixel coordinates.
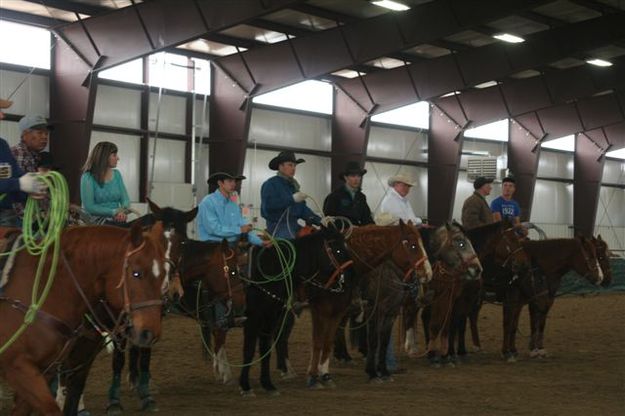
(464, 265)
(339, 268)
(510, 251)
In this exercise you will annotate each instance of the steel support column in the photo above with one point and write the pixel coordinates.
(71, 112)
(230, 114)
(350, 134)
(445, 141)
(587, 176)
(523, 156)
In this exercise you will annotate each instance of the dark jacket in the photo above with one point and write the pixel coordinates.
(476, 212)
(340, 204)
(10, 185)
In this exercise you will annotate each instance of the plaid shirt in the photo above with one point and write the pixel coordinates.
(28, 161)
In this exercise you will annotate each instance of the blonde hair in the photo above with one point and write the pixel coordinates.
(98, 161)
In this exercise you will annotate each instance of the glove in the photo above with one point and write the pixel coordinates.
(31, 184)
(299, 196)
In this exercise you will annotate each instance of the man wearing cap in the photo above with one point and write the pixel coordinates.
(348, 200)
(475, 211)
(220, 217)
(396, 201)
(282, 202)
(13, 180)
(504, 207)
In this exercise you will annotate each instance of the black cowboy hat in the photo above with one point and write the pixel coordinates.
(352, 168)
(220, 176)
(481, 181)
(286, 156)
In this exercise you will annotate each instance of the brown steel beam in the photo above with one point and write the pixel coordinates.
(229, 117)
(360, 41)
(587, 176)
(445, 141)
(523, 155)
(71, 6)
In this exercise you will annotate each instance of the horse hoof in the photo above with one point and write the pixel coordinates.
(114, 409)
(273, 393)
(511, 359)
(542, 353)
(476, 348)
(450, 364)
(313, 383)
(534, 353)
(328, 383)
(288, 375)
(376, 380)
(149, 405)
(84, 412)
(248, 393)
(387, 379)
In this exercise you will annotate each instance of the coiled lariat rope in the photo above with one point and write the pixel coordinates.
(40, 232)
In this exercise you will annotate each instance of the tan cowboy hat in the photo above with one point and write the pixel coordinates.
(5, 103)
(403, 178)
(385, 218)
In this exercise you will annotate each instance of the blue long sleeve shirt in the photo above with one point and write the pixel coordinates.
(103, 200)
(276, 196)
(10, 173)
(219, 218)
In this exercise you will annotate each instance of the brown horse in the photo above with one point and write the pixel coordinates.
(369, 246)
(553, 259)
(122, 269)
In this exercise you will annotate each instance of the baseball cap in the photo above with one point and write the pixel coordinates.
(33, 121)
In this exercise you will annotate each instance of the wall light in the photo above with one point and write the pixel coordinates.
(506, 37)
(599, 62)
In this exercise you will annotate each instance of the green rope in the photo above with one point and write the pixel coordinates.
(48, 235)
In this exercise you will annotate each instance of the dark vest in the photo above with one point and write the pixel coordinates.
(340, 203)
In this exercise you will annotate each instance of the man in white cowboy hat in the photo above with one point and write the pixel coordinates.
(395, 204)
(220, 217)
(348, 200)
(13, 180)
(282, 202)
(475, 210)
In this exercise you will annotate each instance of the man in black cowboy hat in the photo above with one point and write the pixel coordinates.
(220, 217)
(282, 202)
(348, 200)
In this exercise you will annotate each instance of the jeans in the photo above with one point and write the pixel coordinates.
(391, 361)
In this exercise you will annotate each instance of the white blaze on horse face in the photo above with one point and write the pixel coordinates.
(426, 265)
(600, 272)
(156, 269)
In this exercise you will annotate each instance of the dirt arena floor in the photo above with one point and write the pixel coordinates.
(584, 375)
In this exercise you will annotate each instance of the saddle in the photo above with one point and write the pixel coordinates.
(10, 239)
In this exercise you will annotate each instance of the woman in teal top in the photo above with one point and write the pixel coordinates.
(102, 188)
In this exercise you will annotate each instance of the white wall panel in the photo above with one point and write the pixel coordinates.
(10, 132)
(464, 189)
(494, 149)
(128, 152)
(172, 113)
(553, 203)
(170, 160)
(614, 172)
(313, 176)
(289, 129)
(552, 230)
(555, 165)
(611, 207)
(614, 236)
(120, 107)
(201, 123)
(33, 97)
(375, 185)
(399, 144)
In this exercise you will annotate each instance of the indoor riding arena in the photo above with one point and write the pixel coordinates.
(304, 207)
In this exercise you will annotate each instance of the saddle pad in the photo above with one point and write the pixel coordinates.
(10, 239)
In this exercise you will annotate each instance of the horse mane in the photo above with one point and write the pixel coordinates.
(370, 240)
(479, 236)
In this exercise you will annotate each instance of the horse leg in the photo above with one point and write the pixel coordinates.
(332, 325)
(538, 317)
(282, 348)
(317, 347)
(516, 313)
(250, 334)
(80, 359)
(221, 365)
(409, 317)
(426, 318)
(143, 385)
(473, 319)
(133, 366)
(340, 344)
(264, 345)
(385, 334)
(508, 327)
(114, 394)
(32, 391)
(372, 347)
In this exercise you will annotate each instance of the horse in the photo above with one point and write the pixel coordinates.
(80, 359)
(603, 256)
(122, 270)
(321, 259)
(369, 246)
(457, 270)
(552, 260)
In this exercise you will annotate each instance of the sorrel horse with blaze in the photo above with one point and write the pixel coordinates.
(122, 269)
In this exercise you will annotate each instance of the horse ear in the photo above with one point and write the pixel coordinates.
(402, 224)
(448, 225)
(599, 237)
(157, 230)
(136, 234)
(156, 210)
(190, 215)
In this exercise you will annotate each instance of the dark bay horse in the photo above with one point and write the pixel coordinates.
(122, 269)
(321, 260)
(457, 269)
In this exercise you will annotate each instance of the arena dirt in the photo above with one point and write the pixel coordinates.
(584, 375)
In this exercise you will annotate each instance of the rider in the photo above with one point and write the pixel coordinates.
(348, 200)
(282, 202)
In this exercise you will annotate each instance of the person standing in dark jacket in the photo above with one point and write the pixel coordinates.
(348, 200)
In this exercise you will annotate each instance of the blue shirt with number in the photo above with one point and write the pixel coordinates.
(509, 209)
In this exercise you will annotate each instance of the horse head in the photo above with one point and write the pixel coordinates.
(411, 255)
(585, 261)
(333, 259)
(508, 250)
(452, 247)
(141, 283)
(603, 256)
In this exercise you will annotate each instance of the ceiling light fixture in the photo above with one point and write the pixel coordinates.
(391, 5)
(599, 62)
(506, 37)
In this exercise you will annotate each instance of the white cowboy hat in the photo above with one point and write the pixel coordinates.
(403, 178)
(385, 218)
